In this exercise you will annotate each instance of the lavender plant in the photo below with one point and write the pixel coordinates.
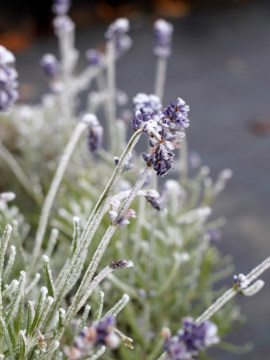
(96, 221)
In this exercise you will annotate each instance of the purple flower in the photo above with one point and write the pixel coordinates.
(198, 337)
(240, 282)
(100, 333)
(63, 25)
(94, 57)
(127, 163)
(176, 349)
(8, 79)
(176, 115)
(214, 236)
(117, 32)
(154, 198)
(162, 38)
(60, 7)
(161, 158)
(50, 65)
(191, 339)
(144, 102)
(95, 135)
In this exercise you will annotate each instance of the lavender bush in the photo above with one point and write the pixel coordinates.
(98, 257)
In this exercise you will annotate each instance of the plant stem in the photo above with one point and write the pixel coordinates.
(161, 69)
(111, 115)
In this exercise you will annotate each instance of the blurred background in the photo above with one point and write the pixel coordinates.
(220, 66)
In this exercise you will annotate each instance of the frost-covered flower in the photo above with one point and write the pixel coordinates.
(154, 198)
(191, 339)
(100, 333)
(50, 65)
(8, 79)
(127, 163)
(117, 32)
(95, 135)
(163, 127)
(240, 282)
(63, 25)
(214, 236)
(198, 337)
(161, 158)
(60, 7)
(93, 56)
(143, 102)
(162, 38)
(113, 214)
(176, 115)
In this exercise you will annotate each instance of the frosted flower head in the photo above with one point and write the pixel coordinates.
(240, 282)
(118, 27)
(191, 339)
(50, 65)
(100, 333)
(127, 164)
(95, 135)
(60, 7)
(154, 198)
(94, 57)
(175, 115)
(143, 102)
(117, 32)
(124, 220)
(161, 158)
(162, 38)
(214, 236)
(8, 80)
(198, 337)
(176, 349)
(63, 25)
(6, 56)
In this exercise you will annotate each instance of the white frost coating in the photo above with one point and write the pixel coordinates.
(254, 288)
(97, 355)
(7, 196)
(223, 177)
(44, 290)
(115, 310)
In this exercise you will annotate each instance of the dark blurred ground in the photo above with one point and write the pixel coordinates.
(220, 66)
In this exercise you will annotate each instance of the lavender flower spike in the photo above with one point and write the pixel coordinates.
(191, 339)
(162, 38)
(154, 198)
(101, 333)
(60, 7)
(240, 282)
(95, 135)
(8, 79)
(94, 57)
(117, 32)
(50, 65)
